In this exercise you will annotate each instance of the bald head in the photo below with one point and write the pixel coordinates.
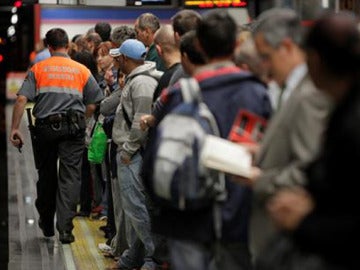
(165, 37)
(165, 45)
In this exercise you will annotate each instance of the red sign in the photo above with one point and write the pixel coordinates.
(247, 128)
(215, 3)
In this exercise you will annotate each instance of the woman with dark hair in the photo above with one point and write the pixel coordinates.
(323, 219)
(88, 60)
(108, 80)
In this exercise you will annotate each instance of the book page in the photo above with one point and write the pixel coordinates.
(226, 156)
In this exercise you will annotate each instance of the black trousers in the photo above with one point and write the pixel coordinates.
(85, 192)
(110, 161)
(60, 152)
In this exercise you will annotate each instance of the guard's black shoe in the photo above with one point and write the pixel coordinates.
(47, 229)
(66, 237)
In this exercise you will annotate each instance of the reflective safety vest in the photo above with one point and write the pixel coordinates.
(59, 74)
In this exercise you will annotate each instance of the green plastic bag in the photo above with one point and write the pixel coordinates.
(98, 144)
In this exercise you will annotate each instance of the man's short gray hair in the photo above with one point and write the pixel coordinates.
(122, 33)
(149, 20)
(277, 24)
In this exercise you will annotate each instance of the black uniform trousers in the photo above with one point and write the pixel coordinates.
(59, 152)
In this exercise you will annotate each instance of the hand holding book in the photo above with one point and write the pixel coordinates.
(232, 158)
(223, 155)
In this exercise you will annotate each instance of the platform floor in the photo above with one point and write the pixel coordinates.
(28, 249)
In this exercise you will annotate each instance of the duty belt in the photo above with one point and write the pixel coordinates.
(51, 119)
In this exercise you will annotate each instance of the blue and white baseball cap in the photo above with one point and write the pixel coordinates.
(131, 48)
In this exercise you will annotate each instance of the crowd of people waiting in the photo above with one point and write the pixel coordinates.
(300, 200)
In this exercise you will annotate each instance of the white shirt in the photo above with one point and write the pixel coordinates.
(291, 82)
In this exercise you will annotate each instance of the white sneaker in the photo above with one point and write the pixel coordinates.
(104, 248)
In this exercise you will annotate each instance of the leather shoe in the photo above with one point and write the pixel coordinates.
(66, 237)
(47, 229)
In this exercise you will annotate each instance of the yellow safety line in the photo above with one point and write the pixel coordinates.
(85, 247)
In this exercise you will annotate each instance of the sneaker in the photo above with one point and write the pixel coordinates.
(104, 247)
(47, 229)
(102, 217)
(66, 237)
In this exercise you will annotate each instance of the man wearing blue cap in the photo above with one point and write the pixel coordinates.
(136, 100)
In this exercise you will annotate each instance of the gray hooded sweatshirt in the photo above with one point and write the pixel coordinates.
(136, 98)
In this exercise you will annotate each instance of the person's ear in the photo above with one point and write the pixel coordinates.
(158, 49)
(288, 44)
(177, 37)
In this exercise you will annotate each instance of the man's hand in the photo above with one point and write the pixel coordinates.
(147, 121)
(254, 174)
(16, 138)
(125, 158)
(288, 207)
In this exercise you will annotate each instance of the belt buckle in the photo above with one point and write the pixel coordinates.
(56, 126)
(55, 121)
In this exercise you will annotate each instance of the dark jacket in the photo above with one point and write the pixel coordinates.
(152, 55)
(333, 228)
(225, 90)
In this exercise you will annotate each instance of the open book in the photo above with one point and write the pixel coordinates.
(226, 156)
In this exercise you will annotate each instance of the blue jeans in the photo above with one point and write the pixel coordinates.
(137, 219)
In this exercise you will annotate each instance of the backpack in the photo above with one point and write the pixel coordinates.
(172, 172)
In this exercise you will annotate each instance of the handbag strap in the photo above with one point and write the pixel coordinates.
(126, 117)
(191, 92)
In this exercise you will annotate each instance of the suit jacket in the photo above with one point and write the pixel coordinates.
(290, 143)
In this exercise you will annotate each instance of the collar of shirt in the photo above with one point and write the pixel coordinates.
(295, 76)
(214, 66)
(60, 54)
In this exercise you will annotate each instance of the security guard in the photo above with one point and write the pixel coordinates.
(65, 93)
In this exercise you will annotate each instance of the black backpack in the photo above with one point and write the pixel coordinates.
(172, 171)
